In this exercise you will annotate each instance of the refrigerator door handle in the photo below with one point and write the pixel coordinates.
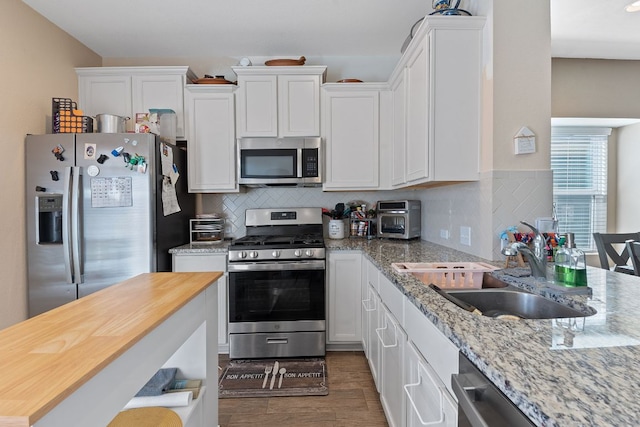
(76, 229)
(66, 225)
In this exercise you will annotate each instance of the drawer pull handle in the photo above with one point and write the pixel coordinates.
(277, 340)
(407, 388)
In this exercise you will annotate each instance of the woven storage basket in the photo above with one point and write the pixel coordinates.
(146, 417)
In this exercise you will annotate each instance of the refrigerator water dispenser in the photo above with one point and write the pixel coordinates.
(49, 219)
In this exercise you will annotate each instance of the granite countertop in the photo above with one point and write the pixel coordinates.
(562, 372)
(202, 248)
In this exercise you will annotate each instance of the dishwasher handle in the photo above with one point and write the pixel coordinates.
(466, 400)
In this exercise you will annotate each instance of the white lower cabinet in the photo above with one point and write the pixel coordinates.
(428, 401)
(411, 361)
(210, 262)
(344, 323)
(392, 340)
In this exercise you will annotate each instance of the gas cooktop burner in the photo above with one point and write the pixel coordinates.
(302, 240)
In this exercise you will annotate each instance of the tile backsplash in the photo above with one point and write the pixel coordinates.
(487, 207)
(234, 205)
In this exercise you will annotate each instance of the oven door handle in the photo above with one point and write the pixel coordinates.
(276, 266)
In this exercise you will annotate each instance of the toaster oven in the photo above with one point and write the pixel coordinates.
(399, 219)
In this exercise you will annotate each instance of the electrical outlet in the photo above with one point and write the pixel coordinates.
(444, 234)
(465, 236)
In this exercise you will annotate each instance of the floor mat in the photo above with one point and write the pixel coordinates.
(256, 378)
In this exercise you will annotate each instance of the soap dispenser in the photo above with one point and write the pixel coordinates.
(570, 264)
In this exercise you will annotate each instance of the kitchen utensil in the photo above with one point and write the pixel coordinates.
(111, 123)
(282, 372)
(273, 377)
(455, 300)
(267, 371)
(286, 62)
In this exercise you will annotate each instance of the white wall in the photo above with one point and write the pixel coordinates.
(628, 194)
(36, 64)
(595, 88)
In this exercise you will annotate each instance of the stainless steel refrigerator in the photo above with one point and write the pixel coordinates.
(98, 212)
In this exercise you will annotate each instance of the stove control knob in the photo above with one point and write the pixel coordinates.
(253, 254)
(308, 253)
(242, 254)
(297, 253)
(275, 254)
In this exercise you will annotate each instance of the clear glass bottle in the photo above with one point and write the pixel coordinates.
(570, 264)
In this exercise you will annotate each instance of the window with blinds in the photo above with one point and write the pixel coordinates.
(579, 164)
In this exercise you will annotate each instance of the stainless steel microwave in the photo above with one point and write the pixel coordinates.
(280, 162)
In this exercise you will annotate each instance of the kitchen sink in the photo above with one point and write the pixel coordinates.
(514, 302)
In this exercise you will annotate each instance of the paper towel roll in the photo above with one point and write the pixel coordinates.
(168, 400)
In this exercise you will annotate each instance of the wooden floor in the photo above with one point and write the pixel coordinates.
(352, 400)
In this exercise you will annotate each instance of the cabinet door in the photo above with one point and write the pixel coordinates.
(351, 132)
(437, 349)
(210, 262)
(374, 321)
(257, 105)
(160, 92)
(298, 105)
(344, 302)
(392, 340)
(106, 95)
(211, 142)
(366, 303)
(417, 144)
(455, 110)
(427, 400)
(399, 124)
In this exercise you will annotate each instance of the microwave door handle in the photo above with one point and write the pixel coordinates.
(76, 229)
(299, 163)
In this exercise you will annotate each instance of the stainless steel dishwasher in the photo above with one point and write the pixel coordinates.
(480, 403)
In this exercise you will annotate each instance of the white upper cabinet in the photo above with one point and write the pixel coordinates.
(279, 101)
(125, 91)
(210, 111)
(436, 91)
(351, 130)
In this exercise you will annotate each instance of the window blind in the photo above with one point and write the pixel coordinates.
(579, 164)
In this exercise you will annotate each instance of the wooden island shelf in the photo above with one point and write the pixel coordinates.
(79, 364)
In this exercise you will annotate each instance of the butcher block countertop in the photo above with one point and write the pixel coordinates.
(45, 359)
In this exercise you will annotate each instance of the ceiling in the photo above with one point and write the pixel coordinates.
(291, 28)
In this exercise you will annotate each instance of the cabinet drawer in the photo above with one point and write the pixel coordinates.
(372, 276)
(439, 352)
(199, 262)
(392, 297)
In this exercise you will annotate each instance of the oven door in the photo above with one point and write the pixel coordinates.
(393, 225)
(273, 297)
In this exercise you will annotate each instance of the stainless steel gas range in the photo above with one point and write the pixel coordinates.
(277, 285)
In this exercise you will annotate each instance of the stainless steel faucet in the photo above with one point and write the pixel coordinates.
(537, 258)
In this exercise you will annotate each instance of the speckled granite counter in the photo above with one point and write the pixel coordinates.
(568, 372)
(202, 248)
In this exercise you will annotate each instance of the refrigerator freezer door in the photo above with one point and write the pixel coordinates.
(48, 286)
(117, 208)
